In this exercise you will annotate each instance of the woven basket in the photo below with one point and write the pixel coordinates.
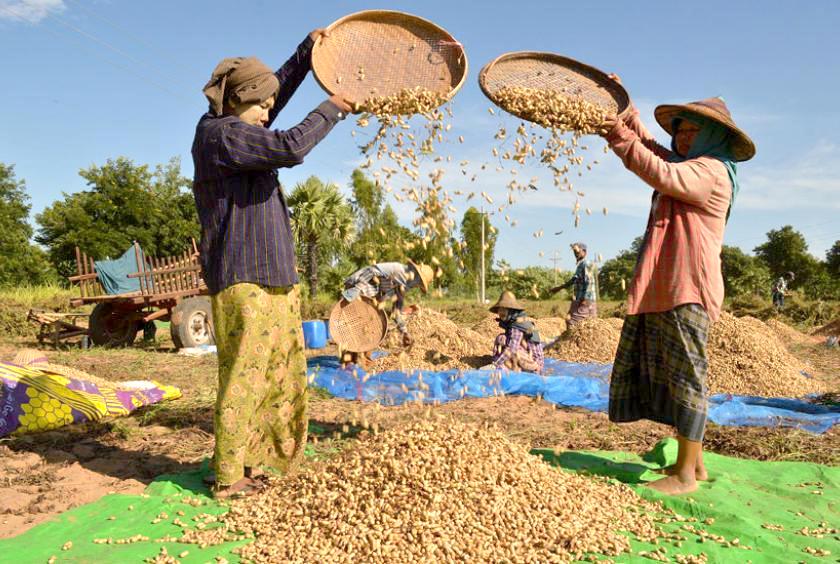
(548, 71)
(395, 50)
(357, 326)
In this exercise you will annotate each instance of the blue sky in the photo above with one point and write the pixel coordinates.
(88, 80)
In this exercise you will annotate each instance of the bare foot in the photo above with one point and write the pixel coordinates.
(242, 488)
(673, 485)
(700, 473)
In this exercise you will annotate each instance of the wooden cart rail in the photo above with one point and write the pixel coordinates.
(160, 278)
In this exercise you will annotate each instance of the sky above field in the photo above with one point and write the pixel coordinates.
(88, 80)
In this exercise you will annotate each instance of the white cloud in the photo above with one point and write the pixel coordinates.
(808, 181)
(32, 11)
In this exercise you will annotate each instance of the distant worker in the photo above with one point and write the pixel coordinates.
(389, 281)
(780, 287)
(584, 302)
(519, 347)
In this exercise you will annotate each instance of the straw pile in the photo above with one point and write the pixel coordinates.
(746, 358)
(829, 329)
(435, 491)
(439, 344)
(592, 340)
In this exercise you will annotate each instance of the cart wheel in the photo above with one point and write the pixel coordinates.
(190, 323)
(110, 327)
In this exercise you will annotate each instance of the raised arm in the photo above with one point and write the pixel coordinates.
(291, 75)
(633, 120)
(251, 147)
(691, 181)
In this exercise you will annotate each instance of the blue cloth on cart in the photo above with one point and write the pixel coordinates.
(563, 383)
(113, 274)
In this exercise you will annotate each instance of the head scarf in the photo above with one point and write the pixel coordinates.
(711, 141)
(242, 80)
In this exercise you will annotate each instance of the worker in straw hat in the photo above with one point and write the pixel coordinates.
(661, 363)
(388, 282)
(248, 260)
(584, 302)
(519, 347)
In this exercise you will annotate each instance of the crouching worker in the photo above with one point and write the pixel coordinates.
(519, 347)
(388, 282)
(248, 262)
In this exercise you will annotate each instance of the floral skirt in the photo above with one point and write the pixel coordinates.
(261, 413)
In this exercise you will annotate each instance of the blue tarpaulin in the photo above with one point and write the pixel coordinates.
(113, 274)
(563, 383)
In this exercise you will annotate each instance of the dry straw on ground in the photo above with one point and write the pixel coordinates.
(832, 328)
(435, 491)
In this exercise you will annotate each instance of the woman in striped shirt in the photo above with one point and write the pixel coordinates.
(248, 260)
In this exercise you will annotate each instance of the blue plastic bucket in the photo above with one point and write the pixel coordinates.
(314, 334)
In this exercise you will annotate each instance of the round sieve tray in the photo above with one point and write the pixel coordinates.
(357, 326)
(531, 69)
(381, 52)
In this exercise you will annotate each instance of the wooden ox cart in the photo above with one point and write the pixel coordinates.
(171, 289)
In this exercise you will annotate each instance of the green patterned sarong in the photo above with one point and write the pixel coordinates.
(260, 418)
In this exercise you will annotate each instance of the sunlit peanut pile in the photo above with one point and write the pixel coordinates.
(435, 491)
(439, 344)
(560, 115)
(591, 340)
(746, 358)
(786, 333)
(552, 109)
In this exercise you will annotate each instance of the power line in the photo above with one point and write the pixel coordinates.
(124, 31)
(146, 79)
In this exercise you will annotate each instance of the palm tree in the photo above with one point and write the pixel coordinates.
(322, 222)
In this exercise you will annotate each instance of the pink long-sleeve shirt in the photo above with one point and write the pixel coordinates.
(680, 260)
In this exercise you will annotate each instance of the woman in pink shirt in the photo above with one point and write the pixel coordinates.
(660, 367)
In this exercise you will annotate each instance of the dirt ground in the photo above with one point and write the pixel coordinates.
(42, 475)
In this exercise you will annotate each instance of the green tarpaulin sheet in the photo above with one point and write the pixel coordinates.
(742, 496)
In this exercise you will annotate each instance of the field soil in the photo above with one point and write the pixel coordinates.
(42, 475)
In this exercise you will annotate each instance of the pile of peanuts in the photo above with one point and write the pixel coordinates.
(439, 344)
(435, 490)
(746, 357)
(552, 109)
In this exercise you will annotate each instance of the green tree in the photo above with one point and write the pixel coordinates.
(323, 224)
(124, 203)
(23, 262)
(832, 260)
(615, 274)
(380, 237)
(471, 245)
(743, 274)
(786, 250)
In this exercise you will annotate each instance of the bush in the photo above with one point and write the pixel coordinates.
(15, 303)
